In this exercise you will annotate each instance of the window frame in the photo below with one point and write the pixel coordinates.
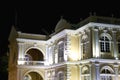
(61, 51)
(105, 41)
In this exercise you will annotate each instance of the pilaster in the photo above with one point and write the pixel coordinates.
(21, 50)
(80, 50)
(68, 73)
(47, 55)
(95, 71)
(67, 46)
(95, 43)
(97, 67)
(80, 70)
(116, 67)
(90, 42)
(46, 75)
(115, 51)
(90, 67)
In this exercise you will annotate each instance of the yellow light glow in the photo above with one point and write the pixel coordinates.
(21, 62)
(74, 56)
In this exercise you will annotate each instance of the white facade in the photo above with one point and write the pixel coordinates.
(89, 50)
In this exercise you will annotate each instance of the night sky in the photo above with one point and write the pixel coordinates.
(38, 17)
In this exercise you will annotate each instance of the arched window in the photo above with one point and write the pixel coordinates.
(60, 76)
(106, 73)
(85, 73)
(35, 54)
(104, 43)
(61, 51)
(85, 70)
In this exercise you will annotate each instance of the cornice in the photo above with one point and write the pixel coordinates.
(62, 34)
(30, 40)
(97, 25)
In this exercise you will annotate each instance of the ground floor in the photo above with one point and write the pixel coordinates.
(81, 70)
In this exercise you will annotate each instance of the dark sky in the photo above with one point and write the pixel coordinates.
(35, 17)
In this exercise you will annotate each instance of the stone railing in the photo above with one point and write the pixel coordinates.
(107, 56)
(24, 62)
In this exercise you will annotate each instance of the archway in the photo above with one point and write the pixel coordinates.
(33, 76)
(35, 54)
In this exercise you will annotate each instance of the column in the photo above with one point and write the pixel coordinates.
(116, 71)
(80, 71)
(21, 50)
(20, 75)
(46, 58)
(67, 46)
(97, 71)
(56, 55)
(51, 59)
(115, 51)
(65, 49)
(80, 47)
(89, 34)
(46, 75)
(90, 71)
(21, 54)
(95, 43)
(90, 42)
(53, 74)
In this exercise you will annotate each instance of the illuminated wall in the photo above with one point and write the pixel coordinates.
(89, 50)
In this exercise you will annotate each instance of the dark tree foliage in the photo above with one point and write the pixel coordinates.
(3, 67)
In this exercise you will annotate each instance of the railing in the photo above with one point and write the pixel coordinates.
(107, 56)
(22, 62)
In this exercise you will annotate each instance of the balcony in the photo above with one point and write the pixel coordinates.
(107, 56)
(30, 63)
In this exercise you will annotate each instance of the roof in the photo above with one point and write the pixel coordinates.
(61, 25)
(98, 19)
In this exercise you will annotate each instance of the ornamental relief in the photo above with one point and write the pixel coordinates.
(118, 35)
(51, 73)
(84, 37)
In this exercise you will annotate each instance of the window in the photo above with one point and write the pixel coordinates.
(60, 76)
(61, 51)
(85, 73)
(106, 73)
(106, 78)
(104, 44)
(85, 70)
(85, 46)
(119, 45)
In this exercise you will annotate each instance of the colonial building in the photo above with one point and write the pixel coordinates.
(89, 50)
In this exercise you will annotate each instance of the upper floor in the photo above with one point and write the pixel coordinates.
(94, 37)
